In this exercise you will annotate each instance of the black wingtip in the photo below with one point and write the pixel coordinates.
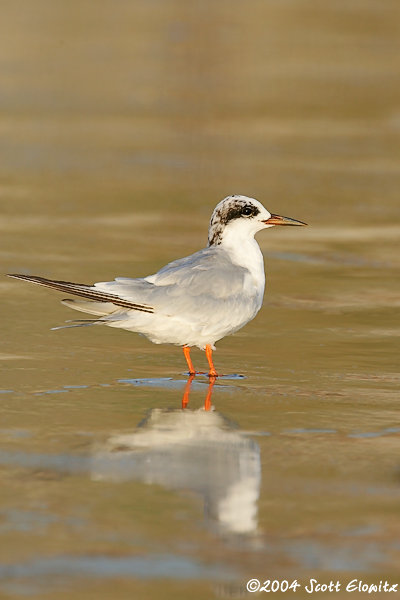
(83, 290)
(23, 277)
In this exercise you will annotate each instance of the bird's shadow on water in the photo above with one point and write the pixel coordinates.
(188, 385)
(197, 450)
(179, 448)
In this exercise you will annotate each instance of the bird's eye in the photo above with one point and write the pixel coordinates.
(247, 211)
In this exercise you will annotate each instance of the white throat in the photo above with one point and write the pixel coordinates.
(245, 252)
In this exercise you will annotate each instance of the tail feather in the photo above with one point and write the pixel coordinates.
(92, 308)
(85, 291)
(79, 324)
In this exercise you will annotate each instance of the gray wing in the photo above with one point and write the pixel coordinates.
(198, 286)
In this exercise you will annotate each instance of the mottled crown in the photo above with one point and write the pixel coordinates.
(230, 209)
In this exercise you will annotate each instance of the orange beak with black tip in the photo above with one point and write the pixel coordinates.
(278, 220)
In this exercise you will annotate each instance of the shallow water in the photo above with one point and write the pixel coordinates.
(122, 125)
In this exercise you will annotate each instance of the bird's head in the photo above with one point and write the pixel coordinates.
(240, 216)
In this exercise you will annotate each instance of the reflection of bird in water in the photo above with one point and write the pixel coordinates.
(197, 450)
(207, 402)
(194, 301)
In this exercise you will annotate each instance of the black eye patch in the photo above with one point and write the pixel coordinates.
(239, 210)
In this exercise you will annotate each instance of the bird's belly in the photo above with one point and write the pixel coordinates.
(199, 328)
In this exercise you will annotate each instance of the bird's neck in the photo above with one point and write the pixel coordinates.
(245, 252)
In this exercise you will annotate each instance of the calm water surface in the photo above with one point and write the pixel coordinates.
(122, 125)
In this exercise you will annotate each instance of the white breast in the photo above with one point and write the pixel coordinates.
(246, 253)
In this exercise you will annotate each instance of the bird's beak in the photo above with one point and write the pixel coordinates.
(278, 220)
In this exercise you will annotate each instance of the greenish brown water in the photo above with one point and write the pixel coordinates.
(122, 125)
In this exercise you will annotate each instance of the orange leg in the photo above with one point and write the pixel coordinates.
(212, 372)
(207, 403)
(186, 352)
(185, 399)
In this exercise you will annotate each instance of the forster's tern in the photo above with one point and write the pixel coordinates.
(193, 301)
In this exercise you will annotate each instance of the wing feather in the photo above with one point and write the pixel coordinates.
(201, 289)
(85, 291)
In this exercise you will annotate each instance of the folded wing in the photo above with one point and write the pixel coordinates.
(201, 289)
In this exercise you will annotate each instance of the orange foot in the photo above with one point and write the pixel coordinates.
(186, 352)
(212, 372)
(192, 371)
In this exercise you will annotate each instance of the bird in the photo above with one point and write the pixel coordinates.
(192, 301)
